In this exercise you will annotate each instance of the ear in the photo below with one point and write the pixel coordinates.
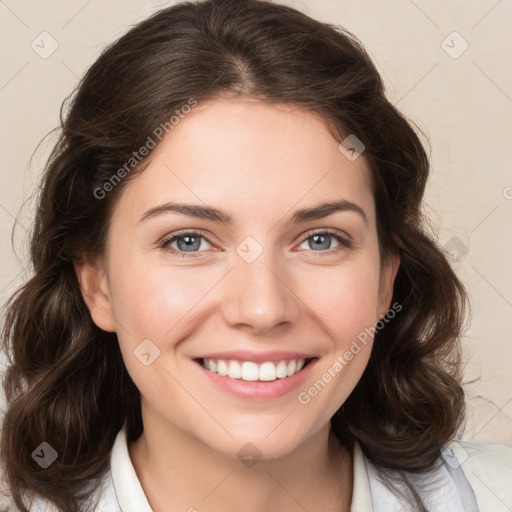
(389, 270)
(93, 282)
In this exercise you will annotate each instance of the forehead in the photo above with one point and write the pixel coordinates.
(249, 157)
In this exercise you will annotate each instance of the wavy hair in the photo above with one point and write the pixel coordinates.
(66, 382)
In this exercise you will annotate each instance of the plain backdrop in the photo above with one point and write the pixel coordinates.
(446, 65)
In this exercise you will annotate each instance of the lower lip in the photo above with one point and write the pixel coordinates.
(258, 390)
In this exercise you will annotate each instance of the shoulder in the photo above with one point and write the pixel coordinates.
(488, 468)
(467, 473)
(483, 453)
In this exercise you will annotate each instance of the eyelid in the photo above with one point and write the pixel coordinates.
(328, 231)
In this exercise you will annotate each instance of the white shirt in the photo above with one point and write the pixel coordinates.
(469, 470)
(131, 498)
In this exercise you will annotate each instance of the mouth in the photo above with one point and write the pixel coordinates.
(251, 371)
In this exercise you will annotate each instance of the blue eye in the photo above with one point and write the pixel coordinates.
(322, 240)
(188, 243)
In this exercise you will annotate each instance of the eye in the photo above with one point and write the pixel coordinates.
(189, 243)
(186, 242)
(321, 241)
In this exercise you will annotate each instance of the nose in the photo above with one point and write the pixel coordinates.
(259, 296)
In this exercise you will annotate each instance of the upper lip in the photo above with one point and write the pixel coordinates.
(256, 357)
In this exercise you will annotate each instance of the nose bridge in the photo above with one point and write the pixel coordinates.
(257, 293)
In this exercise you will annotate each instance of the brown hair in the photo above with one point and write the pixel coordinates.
(67, 384)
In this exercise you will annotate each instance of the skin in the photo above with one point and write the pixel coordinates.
(260, 163)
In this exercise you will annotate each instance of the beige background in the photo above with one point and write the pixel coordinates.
(461, 98)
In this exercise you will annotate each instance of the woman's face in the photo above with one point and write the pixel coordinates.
(251, 283)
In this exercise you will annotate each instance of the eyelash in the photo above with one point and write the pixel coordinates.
(344, 243)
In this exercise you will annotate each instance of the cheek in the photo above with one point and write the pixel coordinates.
(156, 304)
(344, 299)
(157, 301)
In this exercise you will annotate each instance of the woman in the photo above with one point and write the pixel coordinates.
(235, 305)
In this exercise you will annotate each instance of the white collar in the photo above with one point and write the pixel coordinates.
(131, 498)
(129, 492)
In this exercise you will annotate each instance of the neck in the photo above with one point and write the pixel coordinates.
(180, 473)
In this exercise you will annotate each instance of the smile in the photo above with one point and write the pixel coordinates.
(251, 371)
(256, 376)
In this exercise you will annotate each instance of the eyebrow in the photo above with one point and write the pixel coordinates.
(210, 213)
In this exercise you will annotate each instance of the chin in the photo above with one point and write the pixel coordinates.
(246, 445)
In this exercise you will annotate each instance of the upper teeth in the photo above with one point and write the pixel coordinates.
(252, 371)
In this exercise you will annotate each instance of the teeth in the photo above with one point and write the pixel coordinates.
(250, 371)
(234, 370)
(267, 371)
(222, 368)
(281, 370)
